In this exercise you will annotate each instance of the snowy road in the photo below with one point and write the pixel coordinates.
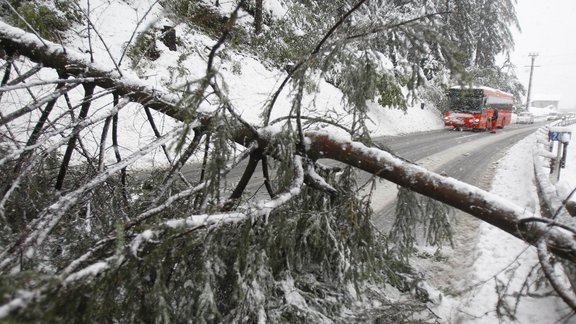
(473, 158)
(466, 156)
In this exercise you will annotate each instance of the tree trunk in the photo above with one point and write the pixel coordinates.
(258, 17)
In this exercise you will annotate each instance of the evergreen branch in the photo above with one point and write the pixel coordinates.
(28, 164)
(314, 180)
(167, 202)
(462, 196)
(225, 34)
(338, 23)
(264, 208)
(297, 67)
(25, 22)
(51, 216)
(75, 125)
(226, 102)
(397, 25)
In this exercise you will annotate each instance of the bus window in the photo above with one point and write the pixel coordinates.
(457, 102)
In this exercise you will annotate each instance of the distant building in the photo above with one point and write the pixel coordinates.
(545, 102)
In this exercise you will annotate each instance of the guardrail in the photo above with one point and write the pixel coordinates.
(566, 121)
(551, 203)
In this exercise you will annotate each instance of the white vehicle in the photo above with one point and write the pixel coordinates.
(525, 118)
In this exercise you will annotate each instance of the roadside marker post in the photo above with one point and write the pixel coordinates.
(562, 136)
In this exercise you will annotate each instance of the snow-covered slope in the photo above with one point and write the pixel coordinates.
(249, 83)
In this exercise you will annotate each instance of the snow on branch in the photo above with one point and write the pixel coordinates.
(49, 217)
(479, 203)
(188, 192)
(265, 207)
(37, 104)
(71, 62)
(559, 282)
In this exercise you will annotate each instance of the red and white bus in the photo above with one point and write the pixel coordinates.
(473, 108)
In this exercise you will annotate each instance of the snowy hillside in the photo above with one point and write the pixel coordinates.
(249, 82)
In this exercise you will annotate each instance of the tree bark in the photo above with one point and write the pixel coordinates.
(258, 17)
(88, 92)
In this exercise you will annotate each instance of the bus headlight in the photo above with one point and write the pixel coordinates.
(476, 120)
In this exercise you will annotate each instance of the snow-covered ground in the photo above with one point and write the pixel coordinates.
(502, 263)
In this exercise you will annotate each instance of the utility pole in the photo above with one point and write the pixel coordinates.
(532, 57)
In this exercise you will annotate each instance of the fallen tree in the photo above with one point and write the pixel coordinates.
(470, 199)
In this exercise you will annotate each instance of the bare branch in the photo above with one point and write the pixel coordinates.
(88, 91)
(314, 120)
(37, 104)
(164, 149)
(135, 30)
(10, 87)
(23, 77)
(243, 182)
(90, 24)
(102, 146)
(266, 174)
(565, 293)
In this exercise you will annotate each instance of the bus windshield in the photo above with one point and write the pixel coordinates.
(461, 102)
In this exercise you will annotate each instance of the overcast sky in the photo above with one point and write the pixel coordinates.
(549, 29)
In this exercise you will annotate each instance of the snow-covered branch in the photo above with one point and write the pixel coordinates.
(49, 217)
(470, 199)
(555, 279)
(264, 208)
(71, 62)
(477, 202)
